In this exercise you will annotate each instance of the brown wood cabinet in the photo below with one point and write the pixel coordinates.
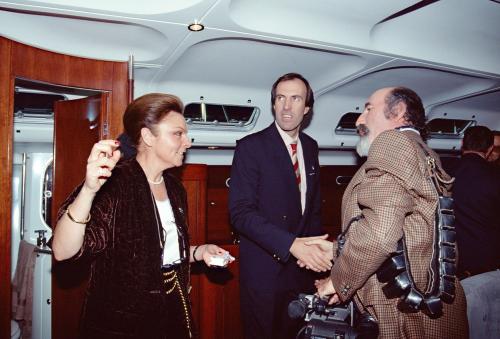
(219, 296)
(194, 179)
(220, 300)
(334, 180)
(219, 229)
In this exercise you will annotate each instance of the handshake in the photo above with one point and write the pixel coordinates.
(314, 253)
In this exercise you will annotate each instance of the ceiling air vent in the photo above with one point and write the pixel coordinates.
(223, 117)
(448, 128)
(347, 123)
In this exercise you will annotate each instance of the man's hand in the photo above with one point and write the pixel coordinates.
(325, 245)
(311, 256)
(325, 288)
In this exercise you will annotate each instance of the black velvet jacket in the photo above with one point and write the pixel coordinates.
(126, 294)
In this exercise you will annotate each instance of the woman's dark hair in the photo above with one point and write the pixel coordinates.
(415, 112)
(478, 139)
(147, 111)
(292, 76)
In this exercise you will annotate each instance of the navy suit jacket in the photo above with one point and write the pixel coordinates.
(265, 209)
(476, 193)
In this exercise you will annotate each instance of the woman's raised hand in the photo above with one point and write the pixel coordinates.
(102, 159)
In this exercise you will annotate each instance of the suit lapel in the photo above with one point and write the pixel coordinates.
(310, 170)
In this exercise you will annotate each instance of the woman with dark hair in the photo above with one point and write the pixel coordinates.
(130, 218)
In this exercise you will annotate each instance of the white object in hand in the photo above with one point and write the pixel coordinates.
(221, 260)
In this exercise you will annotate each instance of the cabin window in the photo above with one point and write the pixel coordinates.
(347, 124)
(215, 116)
(47, 194)
(448, 128)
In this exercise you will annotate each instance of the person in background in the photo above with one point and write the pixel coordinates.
(130, 218)
(389, 197)
(274, 202)
(476, 193)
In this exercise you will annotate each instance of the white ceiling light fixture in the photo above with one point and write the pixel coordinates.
(196, 27)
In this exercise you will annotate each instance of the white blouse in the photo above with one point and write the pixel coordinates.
(171, 253)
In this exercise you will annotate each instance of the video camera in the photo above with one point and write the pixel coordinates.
(331, 322)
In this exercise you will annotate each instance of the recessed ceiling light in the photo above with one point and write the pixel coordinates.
(196, 27)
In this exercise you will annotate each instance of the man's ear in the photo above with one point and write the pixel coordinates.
(399, 111)
(489, 151)
(147, 136)
(306, 110)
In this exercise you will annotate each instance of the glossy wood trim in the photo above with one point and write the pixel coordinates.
(119, 100)
(6, 106)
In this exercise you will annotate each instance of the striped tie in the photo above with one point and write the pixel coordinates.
(295, 162)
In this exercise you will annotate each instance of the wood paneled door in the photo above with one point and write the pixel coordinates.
(76, 129)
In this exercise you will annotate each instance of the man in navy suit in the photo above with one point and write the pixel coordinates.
(477, 199)
(274, 203)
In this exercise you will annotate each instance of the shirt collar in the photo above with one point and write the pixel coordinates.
(286, 138)
(407, 128)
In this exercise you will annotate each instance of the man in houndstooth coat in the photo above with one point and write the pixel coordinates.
(393, 194)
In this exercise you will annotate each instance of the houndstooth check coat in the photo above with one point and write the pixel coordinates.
(394, 194)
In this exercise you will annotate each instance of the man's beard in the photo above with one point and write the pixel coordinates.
(363, 145)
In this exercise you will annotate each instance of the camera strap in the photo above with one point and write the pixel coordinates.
(341, 238)
(396, 272)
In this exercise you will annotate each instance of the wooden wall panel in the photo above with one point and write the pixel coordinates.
(334, 180)
(119, 100)
(194, 179)
(6, 106)
(220, 300)
(219, 229)
(219, 297)
(36, 64)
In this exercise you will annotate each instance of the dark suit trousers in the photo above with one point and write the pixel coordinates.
(264, 314)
